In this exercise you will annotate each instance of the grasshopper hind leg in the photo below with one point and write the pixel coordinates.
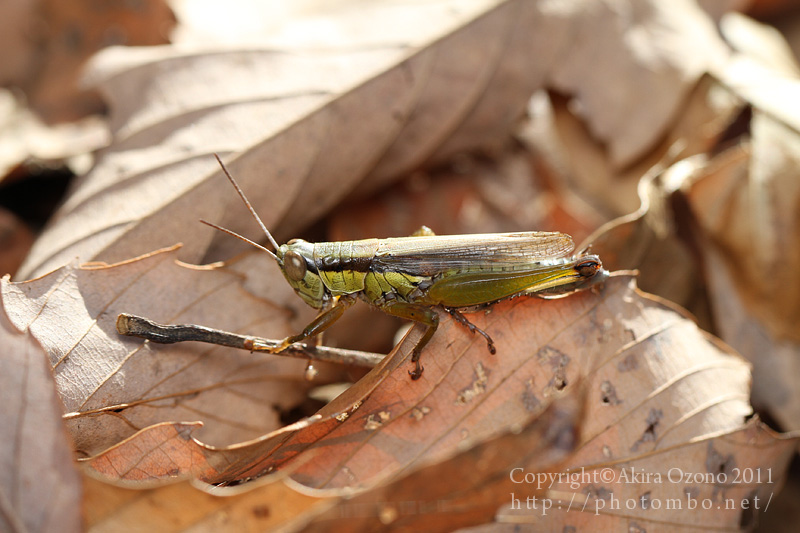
(461, 319)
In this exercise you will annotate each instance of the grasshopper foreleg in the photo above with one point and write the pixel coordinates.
(317, 326)
(460, 318)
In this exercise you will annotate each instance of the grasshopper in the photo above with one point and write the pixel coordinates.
(409, 277)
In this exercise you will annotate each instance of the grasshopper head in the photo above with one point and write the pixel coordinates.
(589, 271)
(296, 259)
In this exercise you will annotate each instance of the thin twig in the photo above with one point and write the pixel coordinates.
(144, 328)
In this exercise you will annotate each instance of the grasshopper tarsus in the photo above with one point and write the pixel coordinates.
(417, 372)
(418, 368)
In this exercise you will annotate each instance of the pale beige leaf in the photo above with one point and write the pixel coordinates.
(760, 42)
(746, 202)
(660, 50)
(259, 506)
(40, 488)
(312, 125)
(770, 84)
(114, 385)
(586, 169)
(747, 205)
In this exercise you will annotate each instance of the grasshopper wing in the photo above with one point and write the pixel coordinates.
(431, 255)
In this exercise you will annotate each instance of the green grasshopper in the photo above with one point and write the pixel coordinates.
(409, 277)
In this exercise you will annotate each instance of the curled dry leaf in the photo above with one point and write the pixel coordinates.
(746, 203)
(617, 340)
(646, 240)
(40, 488)
(312, 127)
(750, 247)
(260, 506)
(112, 385)
(654, 387)
(479, 481)
(720, 481)
(274, 501)
(623, 344)
(585, 169)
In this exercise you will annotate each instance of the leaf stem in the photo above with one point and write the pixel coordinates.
(144, 328)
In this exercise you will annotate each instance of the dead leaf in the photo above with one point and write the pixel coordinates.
(259, 506)
(479, 475)
(660, 72)
(747, 319)
(25, 137)
(586, 170)
(650, 407)
(16, 20)
(15, 240)
(617, 341)
(751, 213)
(720, 481)
(646, 240)
(398, 95)
(40, 489)
(274, 501)
(376, 91)
(745, 202)
(115, 385)
(63, 36)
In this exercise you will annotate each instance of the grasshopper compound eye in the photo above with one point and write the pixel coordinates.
(587, 268)
(294, 265)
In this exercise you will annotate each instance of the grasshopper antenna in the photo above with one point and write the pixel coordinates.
(245, 239)
(252, 212)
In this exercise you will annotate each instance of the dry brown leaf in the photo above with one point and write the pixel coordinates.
(479, 480)
(659, 49)
(720, 481)
(753, 215)
(311, 127)
(40, 488)
(381, 103)
(754, 295)
(586, 169)
(15, 241)
(617, 341)
(114, 385)
(271, 501)
(64, 35)
(659, 395)
(746, 203)
(646, 240)
(16, 19)
(259, 506)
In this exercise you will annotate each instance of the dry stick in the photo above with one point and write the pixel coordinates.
(137, 326)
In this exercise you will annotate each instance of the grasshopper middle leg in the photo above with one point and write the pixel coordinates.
(461, 319)
(417, 313)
